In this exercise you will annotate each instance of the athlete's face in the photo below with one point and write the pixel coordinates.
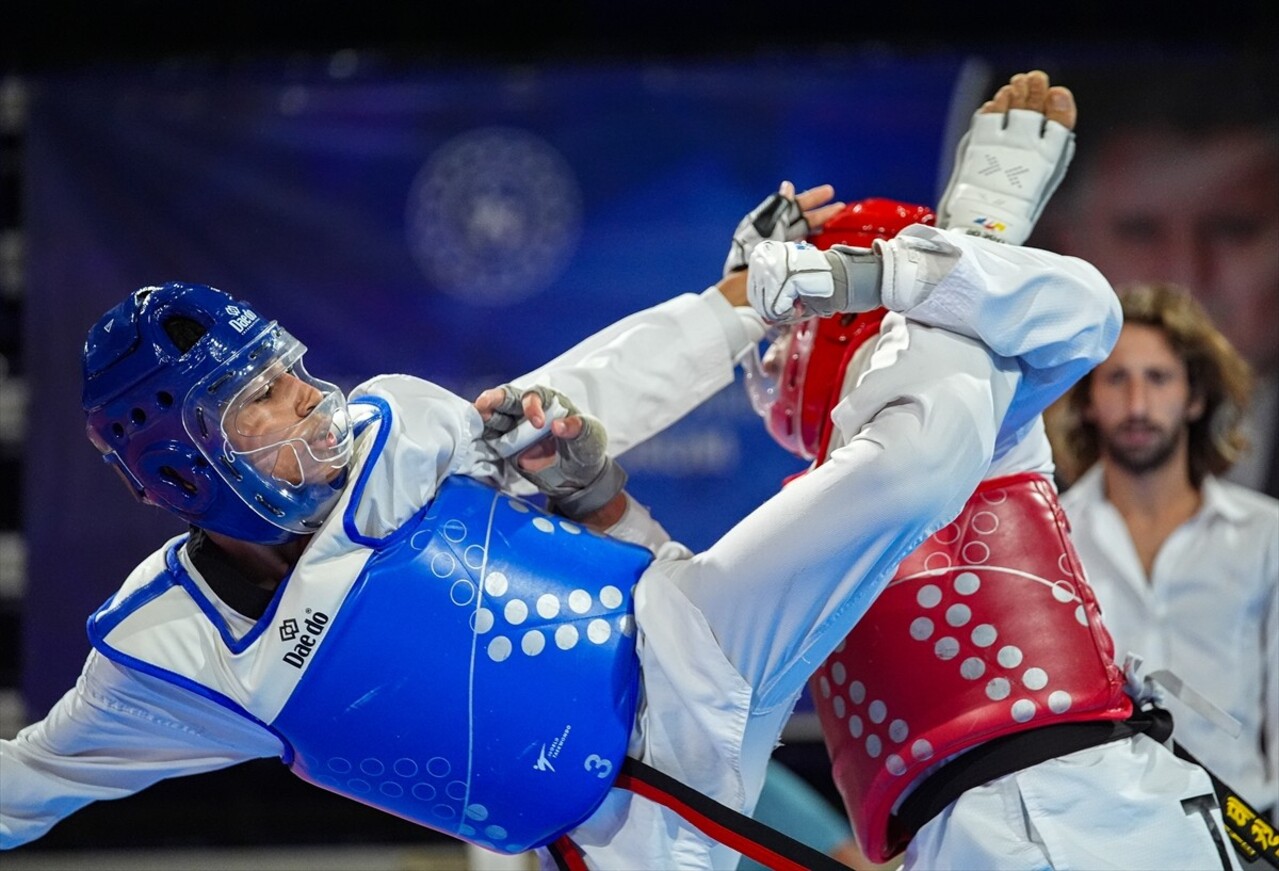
(280, 412)
(1140, 401)
(1202, 213)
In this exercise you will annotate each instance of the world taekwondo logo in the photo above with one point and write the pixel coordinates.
(542, 763)
(494, 216)
(550, 751)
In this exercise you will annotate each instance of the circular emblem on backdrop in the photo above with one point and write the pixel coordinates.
(494, 216)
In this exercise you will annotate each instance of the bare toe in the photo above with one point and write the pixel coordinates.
(1036, 91)
(1000, 103)
(1020, 89)
(1061, 107)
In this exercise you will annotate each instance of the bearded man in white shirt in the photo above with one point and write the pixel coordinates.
(1185, 565)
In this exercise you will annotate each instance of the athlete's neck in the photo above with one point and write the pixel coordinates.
(264, 565)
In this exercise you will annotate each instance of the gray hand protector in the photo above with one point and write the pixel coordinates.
(508, 414)
(583, 477)
(778, 218)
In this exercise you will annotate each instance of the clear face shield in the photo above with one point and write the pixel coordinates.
(278, 436)
(774, 370)
(763, 367)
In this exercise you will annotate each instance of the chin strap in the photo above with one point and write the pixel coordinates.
(748, 836)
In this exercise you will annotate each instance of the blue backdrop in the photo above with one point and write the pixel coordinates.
(463, 224)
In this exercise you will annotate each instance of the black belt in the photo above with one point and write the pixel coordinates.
(1012, 753)
(1251, 835)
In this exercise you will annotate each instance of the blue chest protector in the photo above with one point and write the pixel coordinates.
(480, 678)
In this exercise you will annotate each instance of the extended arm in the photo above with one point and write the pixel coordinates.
(114, 734)
(1056, 315)
(645, 372)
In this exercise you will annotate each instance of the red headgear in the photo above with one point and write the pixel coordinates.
(812, 355)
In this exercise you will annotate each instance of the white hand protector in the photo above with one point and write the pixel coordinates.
(583, 478)
(791, 281)
(778, 218)
(1004, 174)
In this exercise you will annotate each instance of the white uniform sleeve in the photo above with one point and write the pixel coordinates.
(645, 372)
(638, 376)
(115, 733)
(433, 434)
(1056, 315)
(638, 526)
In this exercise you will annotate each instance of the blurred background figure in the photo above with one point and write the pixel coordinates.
(1185, 564)
(1177, 180)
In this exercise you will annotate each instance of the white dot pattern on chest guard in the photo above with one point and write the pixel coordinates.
(942, 597)
(503, 613)
(542, 602)
(428, 783)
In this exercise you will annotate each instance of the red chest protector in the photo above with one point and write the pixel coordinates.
(988, 629)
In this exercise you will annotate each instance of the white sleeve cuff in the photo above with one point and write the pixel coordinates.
(637, 526)
(741, 325)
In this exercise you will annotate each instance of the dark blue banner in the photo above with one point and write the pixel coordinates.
(463, 224)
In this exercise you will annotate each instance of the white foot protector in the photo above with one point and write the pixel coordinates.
(1004, 174)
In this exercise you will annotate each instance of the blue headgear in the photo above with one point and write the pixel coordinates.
(170, 376)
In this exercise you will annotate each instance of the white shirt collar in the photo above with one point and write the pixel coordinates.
(1219, 498)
